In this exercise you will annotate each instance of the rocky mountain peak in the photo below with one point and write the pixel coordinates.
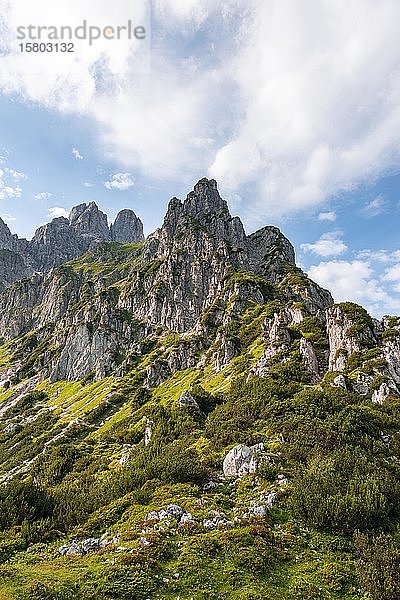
(205, 199)
(202, 213)
(6, 239)
(45, 233)
(88, 219)
(127, 227)
(267, 249)
(76, 212)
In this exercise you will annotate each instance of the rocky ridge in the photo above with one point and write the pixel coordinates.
(63, 239)
(197, 275)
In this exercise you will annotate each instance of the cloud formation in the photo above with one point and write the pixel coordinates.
(372, 279)
(120, 182)
(57, 211)
(329, 244)
(299, 101)
(43, 196)
(375, 207)
(327, 216)
(77, 154)
(10, 189)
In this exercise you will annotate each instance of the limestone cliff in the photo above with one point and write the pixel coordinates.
(197, 276)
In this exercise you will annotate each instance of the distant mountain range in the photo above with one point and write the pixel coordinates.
(62, 240)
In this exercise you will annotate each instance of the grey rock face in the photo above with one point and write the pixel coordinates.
(7, 240)
(148, 432)
(277, 339)
(391, 353)
(242, 460)
(12, 268)
(363, 383)
(125, 455)
(188, 401)
(193, 253)
(383, 392)
(127, 227)
(340, 381)
(268, 250)
(56, 243)
(88, 220)
(310, 359)
(344, 340)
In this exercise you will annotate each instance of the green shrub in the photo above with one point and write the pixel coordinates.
(120, 582)
(378, 565)
(23, 500)
(344, 491)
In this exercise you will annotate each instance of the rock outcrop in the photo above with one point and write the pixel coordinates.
(350, 330)
(242, 460)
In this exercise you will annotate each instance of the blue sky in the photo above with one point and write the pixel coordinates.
(293, 107)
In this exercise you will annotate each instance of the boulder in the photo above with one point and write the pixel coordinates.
(90, 545)
(242, 460)
(363, 384)
(387, 387)
(259, 510)
(340, 381)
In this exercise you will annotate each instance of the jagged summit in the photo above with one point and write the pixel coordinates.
(205, 199)
(7, 239)
(181, 268)
(202, 210)
(5, 232)
(202, 200)
(203, 220)
(127, 227)
(87, 219)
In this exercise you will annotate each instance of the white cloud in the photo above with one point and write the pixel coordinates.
(329, 244)
(57, 211)
(7, 190)
(356, 281)
(327, 216)
(375, 207)
(17, 175)
(8, 218)
(307, 130)
(43, 196)
(120, 181)
(88, 184)
(313, 92)
(392, 276)
(77, 154)
(381, 256)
